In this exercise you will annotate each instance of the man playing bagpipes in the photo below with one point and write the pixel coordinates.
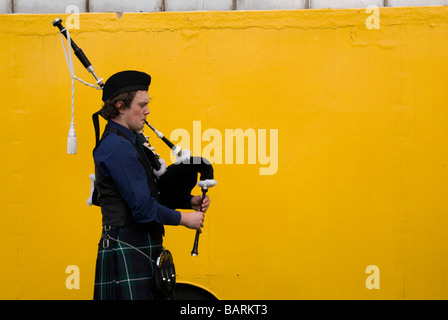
(137, 192)
(128, 193)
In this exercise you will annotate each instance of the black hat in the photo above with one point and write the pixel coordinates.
(125, 81)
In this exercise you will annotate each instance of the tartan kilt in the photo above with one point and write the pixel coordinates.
(123, 273)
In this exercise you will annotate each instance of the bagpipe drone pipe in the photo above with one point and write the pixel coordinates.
(176, 181)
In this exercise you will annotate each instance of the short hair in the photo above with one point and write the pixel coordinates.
(109, 110)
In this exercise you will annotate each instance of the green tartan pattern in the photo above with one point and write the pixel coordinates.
(122, 272)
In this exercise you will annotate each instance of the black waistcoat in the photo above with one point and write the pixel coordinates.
(114, 209)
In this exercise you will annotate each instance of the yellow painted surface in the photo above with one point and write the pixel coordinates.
(362, 123)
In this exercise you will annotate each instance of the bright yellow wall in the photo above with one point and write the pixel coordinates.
(362, 148)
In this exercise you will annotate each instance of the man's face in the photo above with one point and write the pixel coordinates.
(135, 115)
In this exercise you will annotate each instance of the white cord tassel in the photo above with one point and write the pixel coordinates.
(92, 187)
(72, 141)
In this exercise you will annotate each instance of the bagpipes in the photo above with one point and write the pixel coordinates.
(176, 181)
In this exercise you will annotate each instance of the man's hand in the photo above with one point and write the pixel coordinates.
(196, 203)
(192, 220)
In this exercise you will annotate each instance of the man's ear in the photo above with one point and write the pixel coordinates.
(119, 106)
